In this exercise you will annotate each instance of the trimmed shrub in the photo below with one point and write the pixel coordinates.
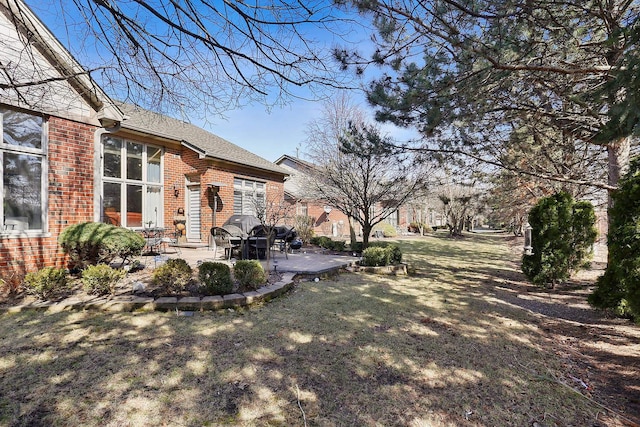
(562, 236)
(375, 256)
(337, 245)
(394, 251)
(172, 276)
(328, 243)
(46, 283)
(91, 243)
(101, 279)
(356, 247)
(322, 241)
(249, 274)
(619, 288)
(215, 278)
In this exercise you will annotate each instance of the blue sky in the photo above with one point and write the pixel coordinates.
(281, 131)
(268, 133)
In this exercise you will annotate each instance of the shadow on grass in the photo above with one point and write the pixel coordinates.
(447, 346)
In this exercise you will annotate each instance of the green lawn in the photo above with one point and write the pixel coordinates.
(434, 349)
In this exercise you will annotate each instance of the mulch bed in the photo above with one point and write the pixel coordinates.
(599, 352)
(125, 287)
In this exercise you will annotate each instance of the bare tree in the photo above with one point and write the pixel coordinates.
(360, 177)
(193, 55)
(324, 133)
(271, 212)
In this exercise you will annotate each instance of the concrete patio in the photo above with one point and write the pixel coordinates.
(299, 262)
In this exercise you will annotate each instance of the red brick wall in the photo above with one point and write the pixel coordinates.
(71, 193)
(183, 162)
(325, 225)
(70, 200)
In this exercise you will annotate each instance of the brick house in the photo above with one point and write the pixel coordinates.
(178, 165)
(70, 154)
(327, 221)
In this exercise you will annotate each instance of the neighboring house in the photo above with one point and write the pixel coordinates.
(327, 220)
(70, 154)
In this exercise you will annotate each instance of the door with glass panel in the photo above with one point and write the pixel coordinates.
(193, 215)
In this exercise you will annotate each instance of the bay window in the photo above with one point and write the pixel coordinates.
(131, 183)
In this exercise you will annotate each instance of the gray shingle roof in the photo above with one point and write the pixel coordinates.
(298, 169)
(192, 136)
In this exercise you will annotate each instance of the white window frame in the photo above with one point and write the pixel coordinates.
(123, 181)
(44, 171)
(249, 192)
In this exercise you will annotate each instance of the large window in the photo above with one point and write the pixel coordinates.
(248, 196)
(302, 209)
(131, 183)
(23, 169)
(394, 218)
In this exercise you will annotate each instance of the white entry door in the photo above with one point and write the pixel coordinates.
(193, 216)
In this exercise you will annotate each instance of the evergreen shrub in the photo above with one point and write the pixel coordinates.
(91, 243)
(101, 279)
(562, 236)
(375, 256)
(394, 251)
(249, 274)
(379, 254)
(215, 278)
(46, 283)
(356, 247)
(619, 288)
(173, 276)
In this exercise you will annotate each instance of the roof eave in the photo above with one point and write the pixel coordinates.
(107, 112)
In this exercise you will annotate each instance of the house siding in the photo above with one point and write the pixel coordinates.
(73, 181)
(23, 59)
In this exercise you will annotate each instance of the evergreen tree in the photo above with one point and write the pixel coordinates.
(619, 287)
(562, 236)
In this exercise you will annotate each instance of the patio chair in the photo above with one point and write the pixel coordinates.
(153, 238)
(283, 238)
(171, 241)
(260, 241)
(222, 240)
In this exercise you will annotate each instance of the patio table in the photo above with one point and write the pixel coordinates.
(153, 238)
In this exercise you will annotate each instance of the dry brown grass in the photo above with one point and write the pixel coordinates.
(440, 348)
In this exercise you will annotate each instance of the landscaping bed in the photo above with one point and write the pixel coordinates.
(137, 283)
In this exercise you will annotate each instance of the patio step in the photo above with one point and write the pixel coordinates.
(192, 245)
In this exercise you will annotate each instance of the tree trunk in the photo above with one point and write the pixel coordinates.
(366, 231)
(619, 152)
(352, 232)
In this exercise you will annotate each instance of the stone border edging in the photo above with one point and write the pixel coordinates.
(390, 270)
(136, 303)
